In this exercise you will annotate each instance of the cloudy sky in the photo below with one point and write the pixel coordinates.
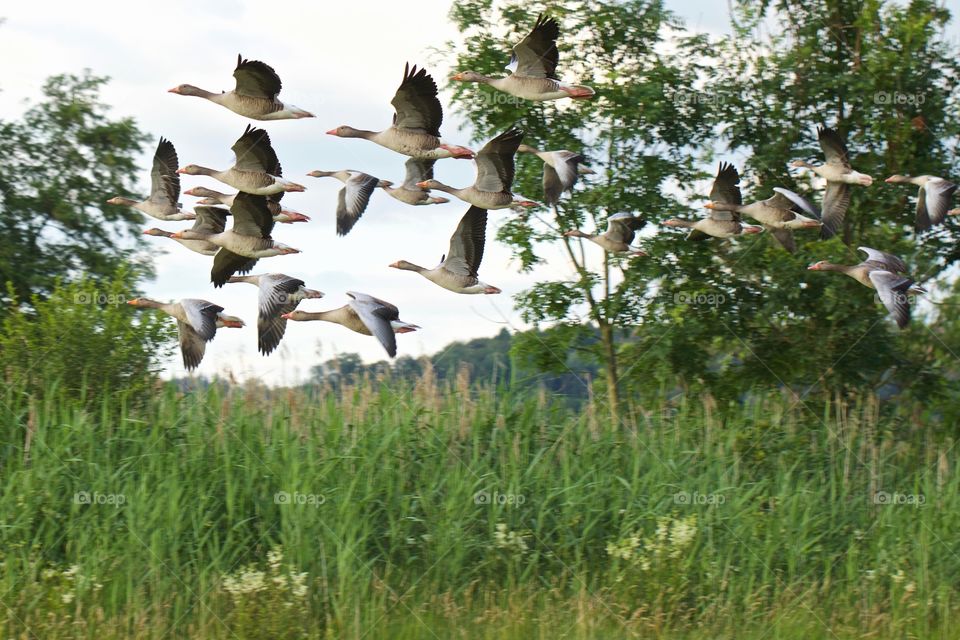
(342, 62)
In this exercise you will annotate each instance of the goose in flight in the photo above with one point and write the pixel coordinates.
(197, 322)
(209, 220)
(410, 192)
(533, 68)
(560, 171)
(883, 272)
(279, 294)
(719, 224)
(254, 96)
(353, 198)
(621, 230)
(839, 176)
(256, 169)
(366, 315)
(415, 131)
(457, 270)
(933, 198)
(495, 171)
(164, 187)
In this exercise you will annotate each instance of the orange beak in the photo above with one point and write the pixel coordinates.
(174, 90)
(332, 132)
(458, 76)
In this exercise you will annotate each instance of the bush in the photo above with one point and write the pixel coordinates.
(82, 341)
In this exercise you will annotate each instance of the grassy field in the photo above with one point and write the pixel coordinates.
(398, 511)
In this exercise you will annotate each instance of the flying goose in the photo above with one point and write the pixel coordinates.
(933, 199)
(779, 214)
(880, 271)
(416, 124)
(839, 176)
(495, 170)
(560, 171)
(621, 230)
(457, 270)
(719, 224)
(410, 192)
(280, 214)
(366, 315)
(533, 68)
(245, 242)
(279, 294)
(256, 169)
(353, 198)
(209, 220)
(197, 322)
(164, 187)
(254, 96)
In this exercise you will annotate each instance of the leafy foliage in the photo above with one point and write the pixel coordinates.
(62, 160)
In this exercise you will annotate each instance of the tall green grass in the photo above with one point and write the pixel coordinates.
(419, 511)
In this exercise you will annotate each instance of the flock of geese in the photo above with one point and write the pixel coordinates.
(256, 207)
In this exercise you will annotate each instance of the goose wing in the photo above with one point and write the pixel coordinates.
(836, 201)
(256, 79)
(353, 199)
(495, 168)
(164, 179)
(785, 238)
(255, 153)
(251, 216)
(883, 260)
(536, 56)
(416, 103)
(376, 315)
(198, 328)
(276, 298)
(834, 148)
(417, 170)
(933, 201)
(227, 263)
(622, 227)
(467, 242)
(210, 219)
(892, 290)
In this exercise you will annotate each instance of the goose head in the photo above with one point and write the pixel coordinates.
(345, 131)
(157, 232)
(187, 90)
(296, 316)
(469, 76)
(822, 265)
(191, 170)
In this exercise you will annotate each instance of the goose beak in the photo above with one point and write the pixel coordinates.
(814, 267)
(332, 132)
(316, 174)
(287, 316)
(491, 290)
(181, 170)
(395, 265)
(178, 234)
(174, 90)
(709, 205)
(457, 76)
(289, 250)
(889, 180)
(406, 329)
(953, 212)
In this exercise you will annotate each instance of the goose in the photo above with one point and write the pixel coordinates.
(933, 199)
(880, 271)
(256, 170)
(197, 322)
(279, 294)
(245, 242)
(254, 96)
(621, 230)
(457, 270)
(495, 170)
(560, 171)
(839, 176)
(780, 214)
(416, 124)
(209, 220)
(366, 315)
(533, 68)
(164, 187)
(409, 192)
(211, 197)
(719, 224)
(353, 199)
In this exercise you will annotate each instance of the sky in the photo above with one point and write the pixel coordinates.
(329, 65)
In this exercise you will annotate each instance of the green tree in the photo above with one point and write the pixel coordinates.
(62, 160)
(638, 133)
